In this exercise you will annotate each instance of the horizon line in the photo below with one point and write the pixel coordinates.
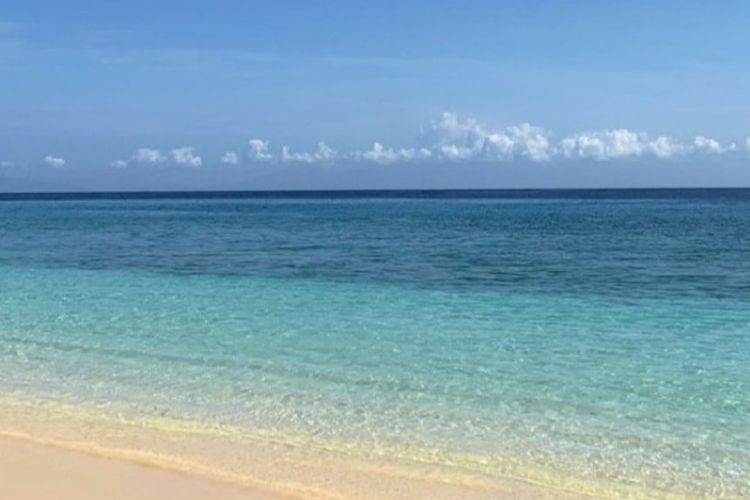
(5, 195)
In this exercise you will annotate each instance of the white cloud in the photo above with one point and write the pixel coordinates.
(664, 147)
(119, 164)
(185, 156)
(380, 154)
(414, 153)
(456, 139)
(708, 145)
(54, 162)
(618, 143)
(149, 156)
(230, 158)
(259, 150)
(286, 155)
(323, 153)
(530, 141)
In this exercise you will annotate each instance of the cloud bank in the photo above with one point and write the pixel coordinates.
(451, 138)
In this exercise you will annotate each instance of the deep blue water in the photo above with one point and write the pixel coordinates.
(602, 334)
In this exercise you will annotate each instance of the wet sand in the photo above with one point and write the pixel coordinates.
(63, 452)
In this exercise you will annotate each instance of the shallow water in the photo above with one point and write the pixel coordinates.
(603, 336)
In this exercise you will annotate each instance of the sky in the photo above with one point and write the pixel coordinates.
(144, 95)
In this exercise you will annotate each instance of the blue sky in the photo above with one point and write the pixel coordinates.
(316, 94)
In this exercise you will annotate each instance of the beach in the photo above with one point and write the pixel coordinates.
(33, 471)
(94, 454)
(38, 472)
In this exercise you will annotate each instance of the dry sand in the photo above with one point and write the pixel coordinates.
(31, 471)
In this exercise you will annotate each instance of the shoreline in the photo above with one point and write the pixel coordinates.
(129, 454)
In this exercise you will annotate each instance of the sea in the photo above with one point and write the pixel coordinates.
(600, 336)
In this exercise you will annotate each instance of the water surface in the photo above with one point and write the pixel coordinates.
(600, 335)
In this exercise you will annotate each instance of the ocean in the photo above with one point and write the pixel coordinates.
(595, 339)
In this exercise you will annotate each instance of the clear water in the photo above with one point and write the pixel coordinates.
(598, 335)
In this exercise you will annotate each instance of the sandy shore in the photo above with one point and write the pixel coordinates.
(31, 471)
(59, 451)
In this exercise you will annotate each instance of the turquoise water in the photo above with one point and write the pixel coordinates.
(599, 335)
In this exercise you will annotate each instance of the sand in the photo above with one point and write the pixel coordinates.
(53, 451)
(31, 471)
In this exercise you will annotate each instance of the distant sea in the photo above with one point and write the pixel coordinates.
(599, 335)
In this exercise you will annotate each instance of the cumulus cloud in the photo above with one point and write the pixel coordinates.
(456, 139)
(186, 157)
(381, 154)
(664, 147)
(259, 150)
(230, 158)
(119, 164)
(321, 154)
(708, 145)
(149, 156)
(453, 138)
(530, 141)
(54, 162)
(618, 143)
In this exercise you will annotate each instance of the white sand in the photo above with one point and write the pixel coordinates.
(35, 472)
(64, 452)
